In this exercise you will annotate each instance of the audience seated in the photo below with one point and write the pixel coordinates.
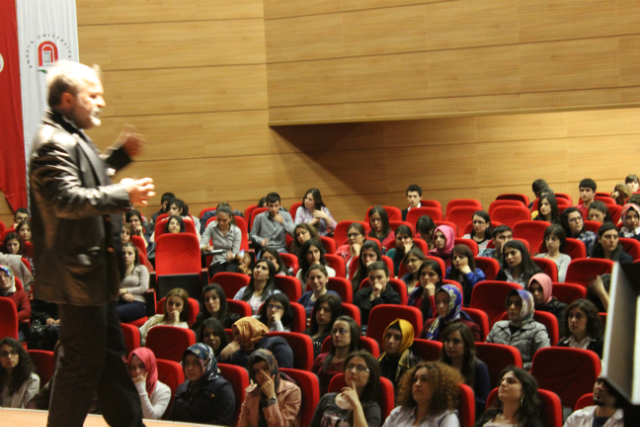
(380, 228)
(598, 212)
(369, 254)
(357, 404)
(165, 204)
(501, 235)
(397, 356)
(133, 219)
(345, 339)
(582, 327)
(326, 309)
(314, 212)
(176, 308)
(317, 280)
(212, 333)
(404, 243)
(427, 396)
(261, 286)
(377, 293)
(520, 331)
(448, 306)
(223, 233)
(181, 209)
(13, 245)
(425, 228)
(250, 334)
(270, 254)
(555, 239)
(21, 214)
(19, 297)
(463, 270)
(412, 262)
(481, 233)
(154, 395)
(356, 236)
(423, 296)
(587, 189)
(273, 399)
(312, 252)
(270, 228)
(573, 223)
(443, 241)
(608, 246)
(213, 305)
(414, 194)
(518, 402)
(517, 266)
(541, 289)
(631, 219)
(459, 351)
(131, 302)
(607, 410)
(205, 397)
(276, 313)
(18, 380)
(302, 233)
(620, 193)
(24, 230)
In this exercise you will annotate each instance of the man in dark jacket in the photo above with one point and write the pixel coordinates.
(76, 232)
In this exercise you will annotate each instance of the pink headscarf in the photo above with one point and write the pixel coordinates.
(625, 209)
(450, 237)
(149, 359)
(545, 282)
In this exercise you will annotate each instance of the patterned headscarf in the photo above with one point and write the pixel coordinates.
(545, 283)
(528, 306)
(406, 328)
(267, 356)
(626, 208)
(251, 331)
(453, 314)
(150, 365)
(207, 360)
(12, 279)
(450, 237)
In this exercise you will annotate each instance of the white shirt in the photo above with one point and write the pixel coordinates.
(155, 321)
(405, 417)
(573, 343)
(154, 406)
(584, 418)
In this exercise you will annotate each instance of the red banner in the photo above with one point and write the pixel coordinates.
(13, 179)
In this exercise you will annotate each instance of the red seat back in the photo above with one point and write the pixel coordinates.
(169, 342)
(177, 253)
(568, 292)
(294, 209)
(231, 283)
(241, 223)
(8, 318)
(490, 267)
(505, 202)
(583, 271)
(431, 204)
(302, 347)
(564, 196)
(205, 210)
(395, 224)
(432, 212)
(426, 349)
(551, 411)
(490, 296)
(366, 343)
(467, 406)
(440, 262)
(43, 362)
(511, 215)
(171, 374)
(548, 267)
(352, 311)
(299, 323)
(394, 213)
(343, 287)
(569, 372)
(592, 226)
(139, 243)
(386, 399)
(337, 263)
(460, 216)
(340, 233)
(290, 286)
(631, 246)
(458, 232)
(522, 198)
(161, 224)
(398, 285)
(7, 231)
(193, 309)
(382, 315)
(247, 213)
(615, 211)
(2, 229)
(532, 232)
(241, 308)
(29, 247)
(453, 283)
(291, 261)
(465, 203)
(329, 244)
(468, 242)
(497, 357)
(239, 379)
(131, 336)
(481, 319)
(584, 401)
(309, 391)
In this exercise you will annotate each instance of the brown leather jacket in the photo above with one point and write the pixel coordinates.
(76, 239)
(285, 414)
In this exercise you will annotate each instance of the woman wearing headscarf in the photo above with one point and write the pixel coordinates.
(250, 334)
(397, 357)
(630, 217)
(272, 399)
(205, 397)
(448, 306)
(541, 288)
(444, 239)
(154, 395)
(19, 297)
(520, 331)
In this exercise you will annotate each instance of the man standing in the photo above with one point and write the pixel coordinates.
(76, 232)
(605, 413)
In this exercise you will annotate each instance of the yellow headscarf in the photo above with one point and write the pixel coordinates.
(251, 330)
(407, 335)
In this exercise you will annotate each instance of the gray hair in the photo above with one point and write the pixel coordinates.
(70, 77)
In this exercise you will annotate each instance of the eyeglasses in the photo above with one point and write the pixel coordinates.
(275, 307)
(8, 353)
(341, 331)
(576, 219)
(358, 368)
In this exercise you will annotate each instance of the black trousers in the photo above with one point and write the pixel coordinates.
(91, 361)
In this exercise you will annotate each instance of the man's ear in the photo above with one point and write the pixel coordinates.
(67, 101)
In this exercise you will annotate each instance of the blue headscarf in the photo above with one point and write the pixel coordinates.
(207, 360)
(453, 314)
(528, 306)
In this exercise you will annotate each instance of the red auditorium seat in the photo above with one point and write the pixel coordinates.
(194, 309)
(584, 401)
(631, 246)
(564, 196)
(490, 296)
(340, 285)
(511, 215)
(254, 213)
(294, 209)
(231, 283)
(496, 203)
(205, 210)
(239, 379)
(2, 229)
(241, 308)
(340, 233)
(179, 254)
(421, 244)
(426, 349)
(43, 362)
(606, 199)
(352, 311)
(290, 286)
(569, 372)
(466, 406)
(161, 224)
(440, 263)
(514, 196)
(8, 318)
(572, 247)
(497, 357)
(291, 261)
(469, 227)
(398, 285)
(489, 266)
(382, 315)
(366, 343)
(583, 271)
(568, 292)
(395, 224)
(171, 374)
(464, 202)
(139, 243)
(7, 231)
(551, 412)
(337, 263)
(468, 242)
(329, 245)
(615, 211)
(460, 216)
(394, 213)
(532, 232)
(481, 319)
(309, 390)
(548, 267)
(549, 320)
(169, 342)
(430, 204)
(386, 400)
(415, 213)
(592, 226)
(247, 214)
(299, 317)
(29, 247)
(302, 347)
(131, 336)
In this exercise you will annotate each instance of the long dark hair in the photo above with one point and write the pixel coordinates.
(598, 250)
(469, 359)
(456, 274)
(315, 193)
(435, 266)
(488, 233)
(564, 221)
(529, 268)
(529, 410)
(287, 315)
(136, 261)
(177, 218)
(217, 329)
(361, 272)
(268, 288)
(295, 246)
(555, 212)
(222, 313)
(384, 217)
(302, 258)
(558, 231)
(14, 236)
(594, 323)
(335, 304)
(282, 267)
(21, 373)
(399, 252)
(354, 344)
(371, 392)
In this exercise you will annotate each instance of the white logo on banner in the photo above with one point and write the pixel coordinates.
(45, 50)
(1, 63)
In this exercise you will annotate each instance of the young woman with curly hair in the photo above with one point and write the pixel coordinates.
(428, 397)
(582, 327)
(301, 234)
(18, 380)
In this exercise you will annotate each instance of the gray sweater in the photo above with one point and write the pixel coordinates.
(229, 242)
(531, 337)
(137, 283)
(266, 227)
